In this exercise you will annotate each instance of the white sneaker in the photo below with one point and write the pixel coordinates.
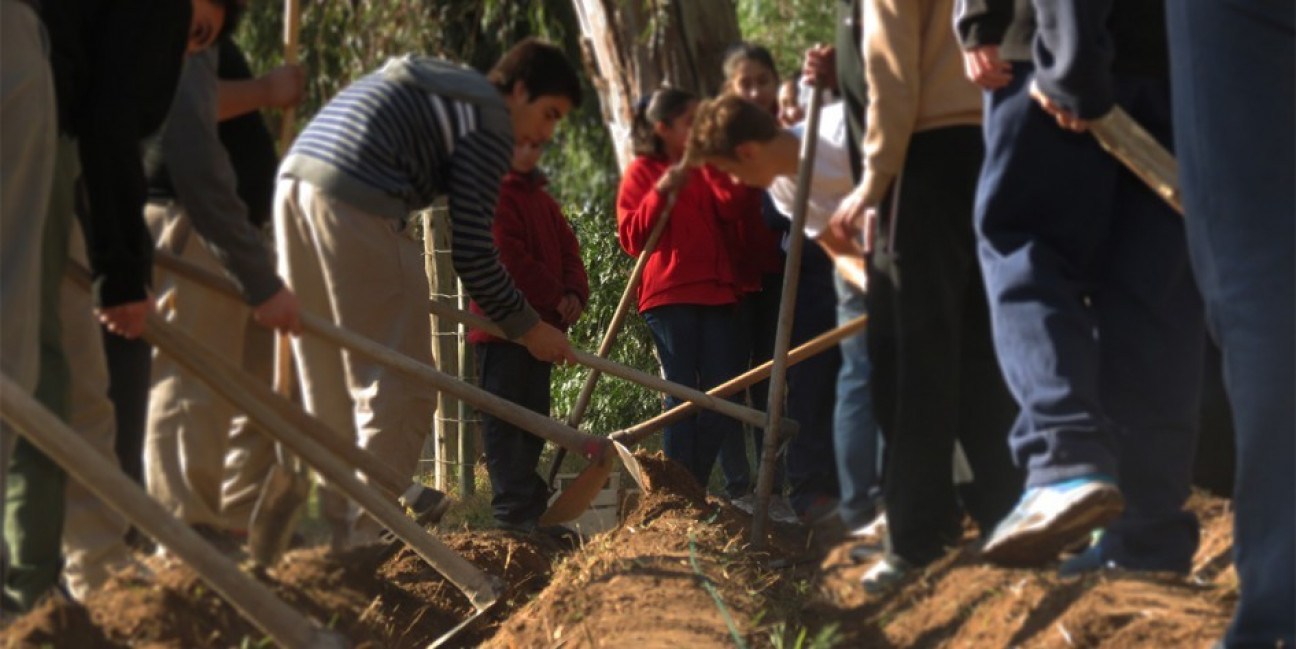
(876, 529)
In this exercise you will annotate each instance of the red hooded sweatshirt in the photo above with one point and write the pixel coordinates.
(537, 247)
(691, 264)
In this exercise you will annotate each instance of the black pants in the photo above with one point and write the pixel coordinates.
(508, 370)
(937, 379)
(130, 363)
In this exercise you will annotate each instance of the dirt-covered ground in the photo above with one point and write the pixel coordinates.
(679, 572)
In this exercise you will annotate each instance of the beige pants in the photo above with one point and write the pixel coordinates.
(360, 271)
(251, 452)
(188, 424)
(93, 533)
(27, 149)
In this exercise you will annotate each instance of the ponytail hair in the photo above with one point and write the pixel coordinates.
(663, 106)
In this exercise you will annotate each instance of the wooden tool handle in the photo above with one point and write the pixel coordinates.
(1130, 143)
(87, 465)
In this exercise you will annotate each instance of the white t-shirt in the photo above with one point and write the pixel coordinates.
(831, 181)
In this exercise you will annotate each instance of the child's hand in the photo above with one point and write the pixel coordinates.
(672, 180)
(570, 308)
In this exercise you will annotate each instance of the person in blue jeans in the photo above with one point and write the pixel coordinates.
(1098, 324)
(1234, 90)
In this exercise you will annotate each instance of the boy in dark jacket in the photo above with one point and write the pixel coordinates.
(540, 251)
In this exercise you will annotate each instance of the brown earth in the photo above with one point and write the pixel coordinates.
(679, 572)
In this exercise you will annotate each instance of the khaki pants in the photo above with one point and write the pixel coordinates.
(251, 452)
(357, 269)
(27, 137)
(93, 533)
(188, 424)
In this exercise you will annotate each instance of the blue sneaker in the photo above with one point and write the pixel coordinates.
(1050, 517)
(1088, 562)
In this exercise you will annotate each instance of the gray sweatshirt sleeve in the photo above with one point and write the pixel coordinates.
(205, 184)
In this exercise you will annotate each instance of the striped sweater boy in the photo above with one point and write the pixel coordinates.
(416, 129)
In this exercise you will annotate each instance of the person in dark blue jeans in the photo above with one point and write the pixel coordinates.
(1234, 81)
(1097, 320)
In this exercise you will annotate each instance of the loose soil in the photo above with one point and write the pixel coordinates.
(678, 572)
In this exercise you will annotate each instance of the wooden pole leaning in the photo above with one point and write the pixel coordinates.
(783, 337)
(254, 601)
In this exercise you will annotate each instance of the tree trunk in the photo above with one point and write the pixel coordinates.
(632, 47)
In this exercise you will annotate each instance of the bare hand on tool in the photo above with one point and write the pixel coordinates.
(1064, 117)
(820, 64)
(546, 343)
(282, 312)
(126, 320)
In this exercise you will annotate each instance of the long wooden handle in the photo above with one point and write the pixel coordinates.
(65, 447)
(222, 377)
(787, 301)
(635, 434)
(292, 26)
(1130, 143)
(588, 446)
(619, 370)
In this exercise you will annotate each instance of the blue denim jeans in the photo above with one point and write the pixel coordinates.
(1232, 72)
(855, 431)
(1098, 324)
(697, 348)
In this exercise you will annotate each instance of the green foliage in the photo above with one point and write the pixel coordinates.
(787, 27)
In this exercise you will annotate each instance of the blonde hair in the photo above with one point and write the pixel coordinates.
(723, 123)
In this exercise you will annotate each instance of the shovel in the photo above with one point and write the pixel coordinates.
(285, 491)
(613, 330)
(591, 479)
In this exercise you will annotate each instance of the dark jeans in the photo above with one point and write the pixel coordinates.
(1233, 72)
(509, 371)
(697, 348)
(757, 323)
(947, 384)
(855, 431)
(1097, 320)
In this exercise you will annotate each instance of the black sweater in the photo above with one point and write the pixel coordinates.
(116, 64)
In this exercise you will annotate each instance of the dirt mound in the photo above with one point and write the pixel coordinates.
(962, 602)
(374, 600)
(677, 573)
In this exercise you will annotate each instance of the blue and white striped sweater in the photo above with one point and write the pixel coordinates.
(391, 144)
